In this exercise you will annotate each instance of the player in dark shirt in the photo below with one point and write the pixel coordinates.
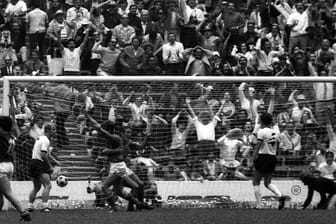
(322, 185)
(7, 168)
(119, 174)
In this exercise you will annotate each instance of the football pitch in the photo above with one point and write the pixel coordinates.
(178, 216)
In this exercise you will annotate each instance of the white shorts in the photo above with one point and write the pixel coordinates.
(120, 169)
(229, 164)
(6, 169)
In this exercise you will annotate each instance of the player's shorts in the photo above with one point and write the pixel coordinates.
(120, 169)
(6, 169)
(265, 163)
(232, 164)
(38, 167)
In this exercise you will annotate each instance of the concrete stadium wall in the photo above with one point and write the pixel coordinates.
(237, 190)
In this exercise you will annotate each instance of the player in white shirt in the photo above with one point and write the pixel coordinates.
(264, 158)
(41, 169)
(328, 168)
(229, 145)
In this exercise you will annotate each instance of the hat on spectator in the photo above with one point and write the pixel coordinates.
(215, 53)
(59, 12)
(207, 28)
(146, 45)
(235, 133)
(300, 97)
(85, 21)
(275, 60)
(144, 12)
(157, 1)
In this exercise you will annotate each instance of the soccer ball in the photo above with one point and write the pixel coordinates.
(62, 181)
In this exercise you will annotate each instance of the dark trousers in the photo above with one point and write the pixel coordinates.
(60, 128)
(188, 37)
(38, 39)
(174, 69)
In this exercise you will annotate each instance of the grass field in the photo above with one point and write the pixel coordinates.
(178, 216)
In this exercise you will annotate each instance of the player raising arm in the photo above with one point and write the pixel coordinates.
(119, 174)
(264, 158)
(7, 168)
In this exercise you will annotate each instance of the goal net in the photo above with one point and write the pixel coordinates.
(167, 140)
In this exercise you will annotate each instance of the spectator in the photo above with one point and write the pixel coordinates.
(193, 17)
(299, 107)
(205, 125)
(77, 14)
(250, 103)
(8, 69)
(243, 51)
(229, 108)
(111, 16)
(55, 5)
(16, 8)
(109, 57)
(172, 55)
(233, 22)
(38, 22)
(123, 7)
(145, 22)
(123, 32)
(181, 125)
(264, 56)
(242, 69)
(153, 37)
(151, 67)
(71, 55)
(290, 141)
(327, 169)
(198, 61)
(298, 22)
(34, 67)
(134, 20)
(132, 58)
(59, 28)
(211, 167)
(172, 20)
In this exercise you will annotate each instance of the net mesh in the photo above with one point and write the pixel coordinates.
(143, 113)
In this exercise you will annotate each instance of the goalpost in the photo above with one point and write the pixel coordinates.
(163, 97)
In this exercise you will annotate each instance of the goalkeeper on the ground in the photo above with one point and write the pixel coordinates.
(324, 186)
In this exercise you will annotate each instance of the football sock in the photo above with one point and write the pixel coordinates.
(257, 194)
(30, 205)
(274, 189)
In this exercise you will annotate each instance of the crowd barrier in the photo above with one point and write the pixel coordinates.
(74, 195)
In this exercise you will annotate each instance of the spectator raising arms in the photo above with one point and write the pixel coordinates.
(71, 55)
(109, 57)
(205, 123)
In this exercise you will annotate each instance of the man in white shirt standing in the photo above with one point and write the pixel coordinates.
(205, 123)
(41, 169)
(193, 17)
(16, 8)
(298, 22)
(38, 23)
(77, 14)
(172, 56)
(71, 55)
(264, 157)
